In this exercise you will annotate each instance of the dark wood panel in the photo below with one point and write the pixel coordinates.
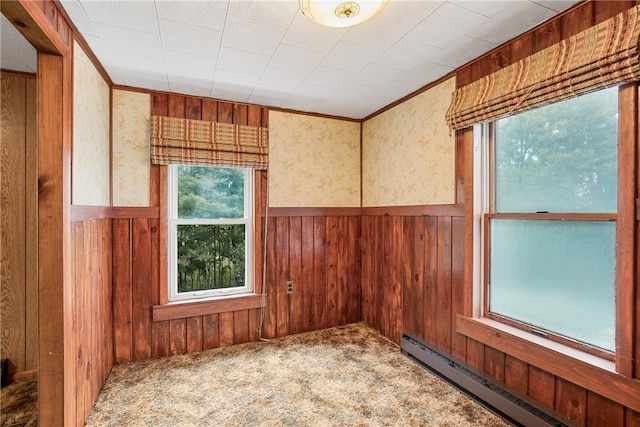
(571, 401)
(141, 288)
(603, 412)
(122, 297)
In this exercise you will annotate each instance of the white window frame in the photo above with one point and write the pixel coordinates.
(482, 194)
(173, 221)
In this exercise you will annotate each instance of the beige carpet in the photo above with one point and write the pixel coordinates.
(345, 376)
(19, 404)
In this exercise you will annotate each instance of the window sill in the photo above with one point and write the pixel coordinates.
(583, 369)
(183, 309)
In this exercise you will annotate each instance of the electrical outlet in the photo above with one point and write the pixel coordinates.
(289, 286)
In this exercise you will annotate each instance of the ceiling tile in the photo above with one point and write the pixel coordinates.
(294, 58)
(406, 54)
(281, 79)
(189, 38)
(120, 40)
(395, 20)
(279, 13)
(328, 77)
(208, 14)
(16, 53)
(307, 34)
(251, 36)
(485, 8)
(445, 24)
(350, 57)
(241, 61)
(509, 22)
(139, 15)
(190, 67)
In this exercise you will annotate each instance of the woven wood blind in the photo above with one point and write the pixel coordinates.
(602, 56)
(198, 142)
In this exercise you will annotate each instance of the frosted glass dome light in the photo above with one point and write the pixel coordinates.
(340, 14)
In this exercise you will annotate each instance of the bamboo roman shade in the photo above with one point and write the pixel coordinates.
(198, 142)
(602, 56)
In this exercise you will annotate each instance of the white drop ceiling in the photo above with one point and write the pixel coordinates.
(268, 53)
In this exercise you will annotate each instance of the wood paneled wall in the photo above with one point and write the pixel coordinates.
(91, 242)
(319, 252)
(19, 223)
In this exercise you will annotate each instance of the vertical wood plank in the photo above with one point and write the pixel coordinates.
(240, 114)
(331, 248)
(282, 263)
(13, 301)
(393, 297)
(458, 285)
(475, 354)
(194, 334)
(494, 363)
(366, 275)
(225, 328)
(193, 108)
(443, 337)
(320, 317)
(516, 374)
(571, 401)
(209, 110)
(306, 273)
(176, 106)
(269, 327)
(342, 268)
(431, 280)
(380, 270)
(409, 285)
(632, 418)
(240, 326)
(159, 104)
(122, 299)
(296, 321)
(542, 386)
(210, 332)
(141, 288)
(225, 112)
(160, 339)
(354, 308)
(418, 276)
(31, 227)
(177, 336)
(603, 412)
(254, 115)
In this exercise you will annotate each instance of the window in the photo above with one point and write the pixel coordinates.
(210, 231)
(549, 221)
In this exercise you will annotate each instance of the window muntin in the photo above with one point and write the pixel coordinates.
(550, 220)
(210, 231)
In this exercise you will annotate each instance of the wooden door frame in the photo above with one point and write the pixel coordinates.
(44, 27)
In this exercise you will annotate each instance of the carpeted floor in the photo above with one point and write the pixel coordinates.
(19, 404)
(345, 376)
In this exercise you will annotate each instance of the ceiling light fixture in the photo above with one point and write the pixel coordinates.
(340, 13)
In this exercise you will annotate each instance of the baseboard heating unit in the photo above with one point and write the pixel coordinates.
(490, 394)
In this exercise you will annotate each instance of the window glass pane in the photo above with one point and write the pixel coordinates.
(210, 257)
(210, 192)
(555, 275)
(559, 158)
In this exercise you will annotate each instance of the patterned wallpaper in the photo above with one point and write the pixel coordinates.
(131, 166)
(90, 171)
(408, 154)
(313, 161)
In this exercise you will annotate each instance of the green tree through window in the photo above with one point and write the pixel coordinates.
(211, 224)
